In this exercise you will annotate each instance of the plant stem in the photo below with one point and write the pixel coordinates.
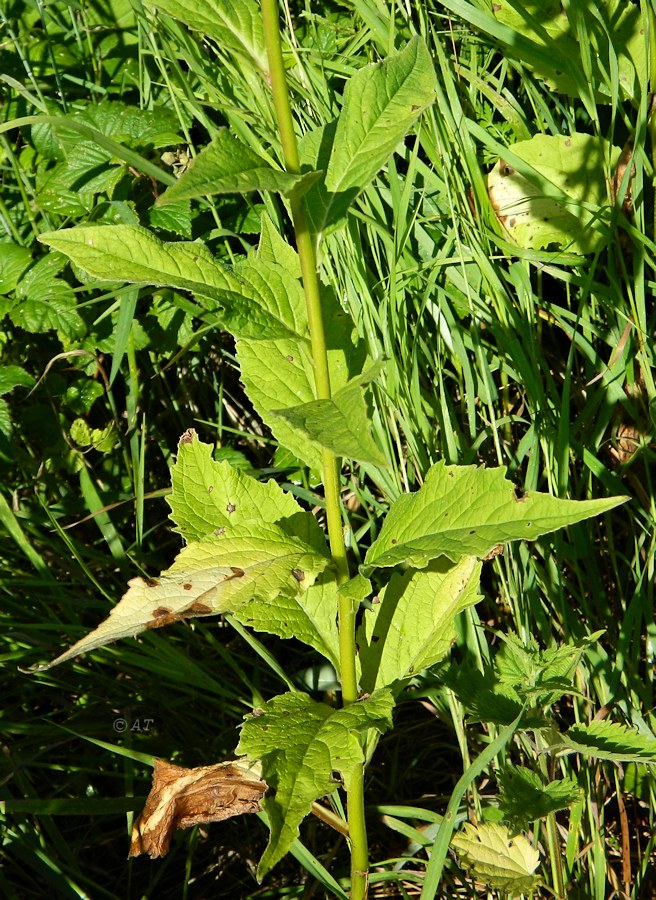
(330, 463)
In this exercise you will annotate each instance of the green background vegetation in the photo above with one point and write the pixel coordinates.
(539, 361)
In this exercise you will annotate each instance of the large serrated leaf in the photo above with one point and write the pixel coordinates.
(302, 745)
(411, 627)
(215, 575)
(495, 858)
(236, 24)
(525, 797)
(467, 511)
(227, 166)
(257, 302)
(208, 496)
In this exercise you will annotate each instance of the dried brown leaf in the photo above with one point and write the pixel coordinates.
(180, 798)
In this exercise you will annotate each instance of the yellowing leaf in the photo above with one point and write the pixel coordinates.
(564, 200)
(495, 858)
(216, 575)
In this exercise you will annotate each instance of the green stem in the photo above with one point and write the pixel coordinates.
(330, 463)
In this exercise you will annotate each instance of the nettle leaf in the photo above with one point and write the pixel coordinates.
(235, 24)
(129, 124)
(208, 496)
(14, 260)
(280, 374)
(228, 166)
(609, 740)
(44, 302)
(176, 217)
(340, 424)
(467, 511)
(614, 33)
(310, 617)
(525, 797)
(563, 200)
(496, 859)
(216, 575)
(411, 626)
(381, 103)
(306, 749)
(258, 302)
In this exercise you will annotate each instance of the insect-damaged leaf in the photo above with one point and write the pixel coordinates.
(209, 495)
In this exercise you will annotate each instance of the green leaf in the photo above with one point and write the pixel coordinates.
(226, 166)
(340, 424)
(411, 626)
(45, 302)
(14, 376)
(208, 496)
(496, 859)
(176, 218)
(609, 740)
(14, 260)
(565, 211)
(306, 749)
(381, 103)
(273, 248)
(525, 797)
(235, 24)
(216, 575)
(467, 511)
(280, 374)
(614, 33)
(310, 617)
(257, 302)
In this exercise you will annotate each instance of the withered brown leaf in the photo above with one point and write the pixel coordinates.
(180, 798)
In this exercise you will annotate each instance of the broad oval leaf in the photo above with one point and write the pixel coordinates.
(568, 206)
(496, 858)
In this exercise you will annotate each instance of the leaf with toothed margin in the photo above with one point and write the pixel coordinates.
(259, 301)
(307, 749)
(216, 575)
(468, 511)
(209, 495)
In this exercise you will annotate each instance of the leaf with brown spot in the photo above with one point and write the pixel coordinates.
(215, 575)
(181, 798)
